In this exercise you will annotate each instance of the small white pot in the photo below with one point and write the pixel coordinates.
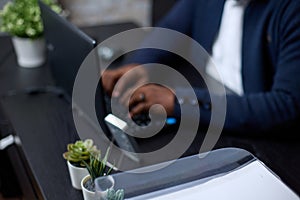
(102, 184)
(105, 181)
(76, 175)
(87, 195)
(30, 52)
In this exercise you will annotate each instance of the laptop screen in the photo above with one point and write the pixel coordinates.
(67, 47)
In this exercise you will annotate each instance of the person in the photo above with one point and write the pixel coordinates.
(256, 47)
(265, 61)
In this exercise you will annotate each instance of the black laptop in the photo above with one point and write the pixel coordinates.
(68, 47)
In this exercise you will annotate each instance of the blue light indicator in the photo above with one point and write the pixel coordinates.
(171, 121)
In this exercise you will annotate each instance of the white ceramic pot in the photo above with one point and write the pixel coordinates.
(102, 184)
(87, 195)
(105, 182)
(76, 175)
(30, 52)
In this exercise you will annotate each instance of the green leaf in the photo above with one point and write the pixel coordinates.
(22, 18)
(97, 166)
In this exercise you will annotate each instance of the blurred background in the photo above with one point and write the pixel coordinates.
(97, 12)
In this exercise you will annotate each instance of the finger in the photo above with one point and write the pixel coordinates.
(122, 84)
(124, 99)
(127, 78)
(131, 93)
(139, 108)
(108, 81)
(136, 98)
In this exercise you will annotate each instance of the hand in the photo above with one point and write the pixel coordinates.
(146, 96)
(111, 77)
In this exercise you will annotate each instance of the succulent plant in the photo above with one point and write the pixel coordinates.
(97, 166)
(80, 151)
(115, 194)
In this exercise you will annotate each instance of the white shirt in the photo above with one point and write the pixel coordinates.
(227, 49)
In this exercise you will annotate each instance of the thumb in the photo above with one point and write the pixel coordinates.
(120, 86)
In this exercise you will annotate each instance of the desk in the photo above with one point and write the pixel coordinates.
(13, 77)
(43, 123)
(40, 155)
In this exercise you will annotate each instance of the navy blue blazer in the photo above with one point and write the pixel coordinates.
(270, 61)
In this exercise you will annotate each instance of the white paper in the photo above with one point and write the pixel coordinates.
(252, 182)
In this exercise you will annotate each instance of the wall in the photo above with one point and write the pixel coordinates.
(93, 12)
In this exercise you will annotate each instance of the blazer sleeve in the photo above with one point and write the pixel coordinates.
(271, 111)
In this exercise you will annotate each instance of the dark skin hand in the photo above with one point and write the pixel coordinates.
(111, 77)
(129, 93)
(153, 94)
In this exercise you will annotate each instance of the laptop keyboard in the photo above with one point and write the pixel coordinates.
(121, 112)
(131, 134)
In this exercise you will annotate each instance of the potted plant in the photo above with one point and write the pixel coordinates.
(78, 153)
(97, 167)
(114, 194)
(22, 20)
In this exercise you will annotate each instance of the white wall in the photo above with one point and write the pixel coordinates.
(94, 12)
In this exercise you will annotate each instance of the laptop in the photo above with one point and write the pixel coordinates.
(68, 47)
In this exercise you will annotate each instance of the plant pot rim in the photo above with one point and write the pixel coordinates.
(83, 181)
(25, 38)
(72, 165)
